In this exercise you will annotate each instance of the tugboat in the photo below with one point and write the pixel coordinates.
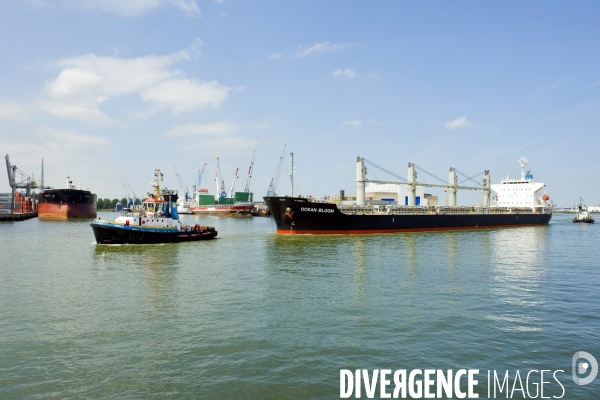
(157, 222)
(582, 215)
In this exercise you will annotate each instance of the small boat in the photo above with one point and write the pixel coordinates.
(156, 222)
(582, 215)
(259, 212)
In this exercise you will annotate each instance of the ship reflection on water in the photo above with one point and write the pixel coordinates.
(157, 265)
(439, 270)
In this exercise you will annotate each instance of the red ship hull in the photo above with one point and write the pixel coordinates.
(66, 203)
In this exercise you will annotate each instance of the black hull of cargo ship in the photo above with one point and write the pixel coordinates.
(67, 203)
(111, 234)
(301, 216)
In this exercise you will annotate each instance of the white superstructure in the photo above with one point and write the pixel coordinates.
(399, 192)
(524, 192)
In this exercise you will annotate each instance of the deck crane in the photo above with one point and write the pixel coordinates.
(271, 191)
(220, 185)
(235, 176)
(184, 189)
(249, 177)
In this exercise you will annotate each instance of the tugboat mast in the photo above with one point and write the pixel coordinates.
(158, 176)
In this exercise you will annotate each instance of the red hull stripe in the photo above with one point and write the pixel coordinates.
(371, 231)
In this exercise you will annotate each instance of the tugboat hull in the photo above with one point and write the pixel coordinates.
(109, 233)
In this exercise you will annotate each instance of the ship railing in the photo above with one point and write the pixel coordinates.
(433, 210)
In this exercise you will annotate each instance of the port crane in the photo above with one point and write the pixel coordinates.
(200, 175)
(23, 182)
(126, 194)
(249, 177)
(184, 189)
(220, 185)
(132, 191)
(272, 190)
(235, 176)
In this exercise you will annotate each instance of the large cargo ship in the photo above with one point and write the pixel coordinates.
(519, 202)
(70, 202)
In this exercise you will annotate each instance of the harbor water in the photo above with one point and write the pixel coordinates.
(255, 315)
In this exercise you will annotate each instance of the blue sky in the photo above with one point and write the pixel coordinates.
(107, 90)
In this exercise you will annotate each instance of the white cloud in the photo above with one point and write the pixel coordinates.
(71, 140)
(550, 87)
(88, 81)
(185, 95)
(12, 110)
(212, 128)
(457, 123)
(320, 48)
(353, 122)
(124, 8)
(347, 73)
(275, 56)
(214, 135)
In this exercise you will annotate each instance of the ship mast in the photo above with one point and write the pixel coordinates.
(292, 172)
(158, 176)
(522, 162)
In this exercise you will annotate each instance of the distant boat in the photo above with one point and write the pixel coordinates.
(582, 215)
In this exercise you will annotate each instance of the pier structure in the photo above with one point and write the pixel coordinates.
(451, 186)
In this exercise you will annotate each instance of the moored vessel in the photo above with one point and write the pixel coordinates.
(294, 215)
(232, 204)
(66, 203)
(156, 222)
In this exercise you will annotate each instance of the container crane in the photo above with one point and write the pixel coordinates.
(220, 185)
(235, 176)
(249, 177)
(271, 191)
(25, 181)
(184, 189)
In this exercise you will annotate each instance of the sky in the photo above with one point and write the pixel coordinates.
(107, 90)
